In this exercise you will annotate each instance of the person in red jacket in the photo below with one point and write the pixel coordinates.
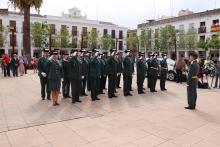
(6, 65)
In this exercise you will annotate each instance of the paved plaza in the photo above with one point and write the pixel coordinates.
(157, 119)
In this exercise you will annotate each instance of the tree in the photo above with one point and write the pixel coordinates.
(132, 41)
(214, 42)
(64, 38)
(145, 38)
(106, 42)
(24, 6)
(36, 33)
(93, 39)
(182, 40)
(3, 35)
(191, 39)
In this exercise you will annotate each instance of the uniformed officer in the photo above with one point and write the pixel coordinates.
(154, 71)
(103, 72)
(95, 75)
(163, 72)
(85, 71)
(66, 81)
(88, 59)
(127, 73)
(55, 73)
(119, 68)
(75, 75)
(43, 74)
(141, 72)
(148, 70)
(104, 77)
(192, 81)
(112, 73)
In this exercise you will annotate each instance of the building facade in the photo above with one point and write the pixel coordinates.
(204, 23)
(74, 22)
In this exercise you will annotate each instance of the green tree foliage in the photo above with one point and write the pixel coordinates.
(182, 40)
(3, 35)
(24, 6)
(64, 38)
(106, 42)
(145, 38)
(93, 39)
(167, 38)
(214, 42)
(36, 33)
(132, 41)
(191, 39)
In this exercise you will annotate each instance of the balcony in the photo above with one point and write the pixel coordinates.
(215, 28)
(202, 29)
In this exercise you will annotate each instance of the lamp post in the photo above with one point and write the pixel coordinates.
(116, 46)
(12, 29)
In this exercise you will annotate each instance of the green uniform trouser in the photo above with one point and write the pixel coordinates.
(153, 81)
(163, 78)
(140, 82)
(127, 84)
(95, 87)
(111, 84)
(192, 93)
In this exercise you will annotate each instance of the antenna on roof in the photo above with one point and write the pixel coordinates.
(215, 4)
(97, 15)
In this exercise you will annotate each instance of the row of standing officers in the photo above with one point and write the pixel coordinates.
(89, 70)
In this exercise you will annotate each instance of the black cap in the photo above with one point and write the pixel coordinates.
(126, 51)
(113, 50)
(66, 53)
(155, 54)
(194, 54)
(164, 54)
(82, 50)
(46, 50)
(55, 53)
(95, 50)
(141, 53)
(74, 50)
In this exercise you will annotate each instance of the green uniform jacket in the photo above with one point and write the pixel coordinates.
(85, 66)
(154, 68)
(163, 65)
(112, 66)
(65, 65)
(42, 66)
(55, 70)
(94, 68)
(141, 68)
(193, 72)
(75, 68)
(128, 67)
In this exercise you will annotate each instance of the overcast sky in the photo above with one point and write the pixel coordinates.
(126, 13)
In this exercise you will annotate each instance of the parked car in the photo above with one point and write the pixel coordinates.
(171, 73)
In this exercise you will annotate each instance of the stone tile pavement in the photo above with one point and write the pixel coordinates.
(140, 121)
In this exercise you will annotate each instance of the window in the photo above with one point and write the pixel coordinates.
(120, 45)
(94, 29)
(84, 30)
(156, 33)
(63, 28)
(12, 24)
(74, 30)
(191, 26)
(105, 32)
(216, 22)
(13, 40)
(202, 38)
(202, 24)
(74, 42)
(53, 28)
(181, 27)
(120, 34)
(113, 33)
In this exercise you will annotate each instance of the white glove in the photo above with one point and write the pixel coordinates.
(82, 77)
(43, 74)
(96, 54)
(62, 80)
(118, 74)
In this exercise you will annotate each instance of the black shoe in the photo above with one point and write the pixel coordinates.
(114, 96)
(93, 100)
(57, 104)
(110, 97)
(54, 104)
(164, 89)
(73, 101)
(43, 98)
(118, 87)
(97, 99)
(126, 95)
(48, 98)
(215, 87)
(78, 101)
(190, 108)
(130, 94)
(102, 93)
(141, 92)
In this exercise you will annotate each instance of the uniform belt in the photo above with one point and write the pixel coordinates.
(194, 77)
(154, 68)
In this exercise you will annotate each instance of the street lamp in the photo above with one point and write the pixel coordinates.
(12, 29)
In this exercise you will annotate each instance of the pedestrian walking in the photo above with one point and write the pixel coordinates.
(179, 67)
(21, 66)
